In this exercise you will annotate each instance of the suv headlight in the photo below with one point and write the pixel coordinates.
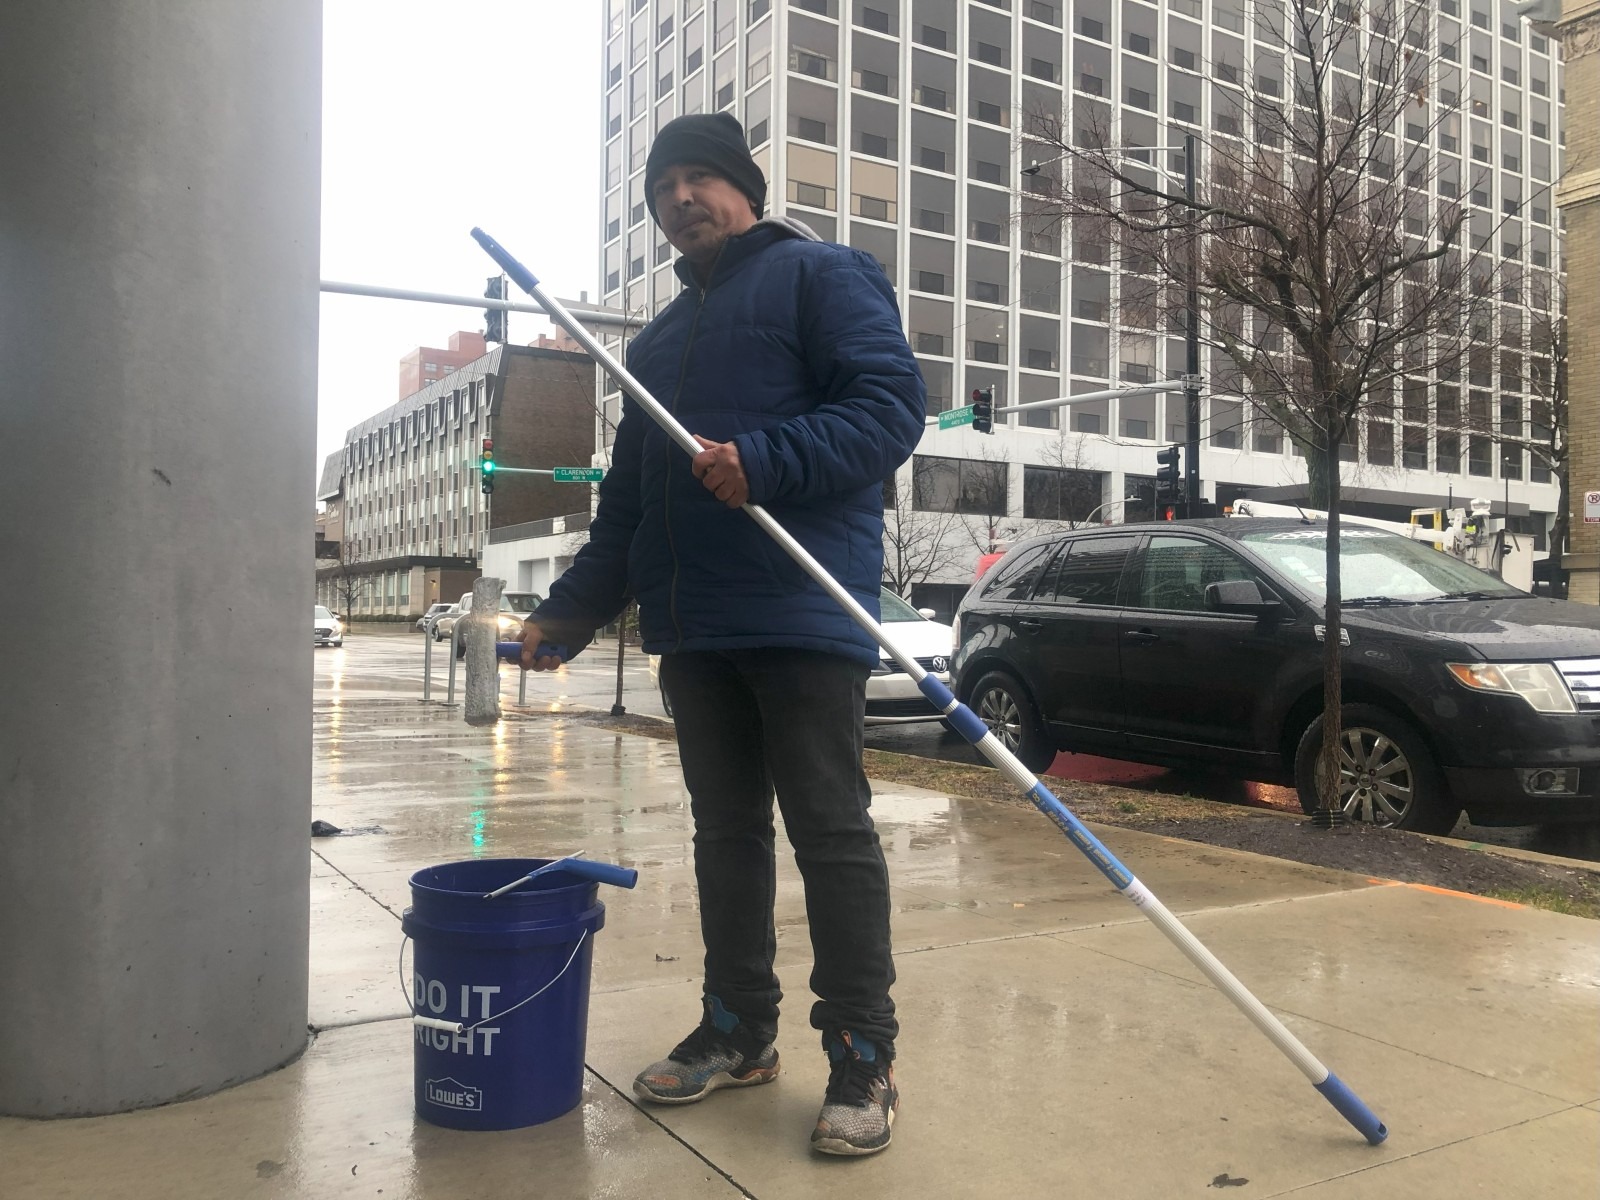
(1539, 684)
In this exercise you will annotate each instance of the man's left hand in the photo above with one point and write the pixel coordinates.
(718, 467)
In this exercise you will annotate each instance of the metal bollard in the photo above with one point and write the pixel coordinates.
(522, 685)
(455, 637)
(427, 658)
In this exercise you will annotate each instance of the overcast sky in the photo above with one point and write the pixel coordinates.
(438, 117)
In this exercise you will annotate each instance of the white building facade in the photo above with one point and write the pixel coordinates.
(898, 127)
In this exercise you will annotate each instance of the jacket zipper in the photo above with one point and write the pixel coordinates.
(666, 475)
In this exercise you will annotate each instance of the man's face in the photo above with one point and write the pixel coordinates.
(699, 210)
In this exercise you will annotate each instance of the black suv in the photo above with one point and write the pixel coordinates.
(1200, 644)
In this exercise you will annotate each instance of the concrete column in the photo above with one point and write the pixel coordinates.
(158, 329)
(1578, 195)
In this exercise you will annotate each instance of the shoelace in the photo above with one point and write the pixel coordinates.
(850, 1081)
(701, 1042)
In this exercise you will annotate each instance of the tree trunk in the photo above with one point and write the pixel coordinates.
(1558, 536)
(1322, 469)
(1333, 631)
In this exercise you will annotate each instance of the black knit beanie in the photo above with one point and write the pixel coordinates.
(713, 140)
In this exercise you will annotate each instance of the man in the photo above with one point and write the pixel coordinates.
(785, 358)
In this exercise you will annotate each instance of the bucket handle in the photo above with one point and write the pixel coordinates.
(462, 1026)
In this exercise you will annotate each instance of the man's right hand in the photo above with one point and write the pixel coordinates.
(531, 637)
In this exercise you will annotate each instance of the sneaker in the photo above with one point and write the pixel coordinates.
(858, 1110)
(721, 1052)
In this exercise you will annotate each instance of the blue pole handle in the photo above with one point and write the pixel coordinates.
(512, 651)
(520, 275)
(599, 872)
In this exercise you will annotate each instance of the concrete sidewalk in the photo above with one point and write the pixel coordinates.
(1054, 1043)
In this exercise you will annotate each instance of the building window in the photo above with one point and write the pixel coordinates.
(873, 144)
(958, 485)
(874, 81)
(1479, 460)
(1060, 494)
(1414, 448)
(872, 208)
(810, 194)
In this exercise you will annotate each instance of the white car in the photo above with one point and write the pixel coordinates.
(325, 627)
(435, 610)
(892, 695)
(515, 607)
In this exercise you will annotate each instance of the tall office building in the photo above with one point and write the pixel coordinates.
(901, 128)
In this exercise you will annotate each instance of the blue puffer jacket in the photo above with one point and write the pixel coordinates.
(794, 353)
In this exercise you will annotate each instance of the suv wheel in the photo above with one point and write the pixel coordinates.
(1387, 775)
(1005, 708)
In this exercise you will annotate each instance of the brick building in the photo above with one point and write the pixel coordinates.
(404, 492)
(429, 364)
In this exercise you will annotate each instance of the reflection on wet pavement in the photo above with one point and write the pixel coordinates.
(1022, 976)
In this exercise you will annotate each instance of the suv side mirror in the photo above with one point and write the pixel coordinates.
(1240, 596)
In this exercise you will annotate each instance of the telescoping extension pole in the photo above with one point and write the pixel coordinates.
(1349, 1105)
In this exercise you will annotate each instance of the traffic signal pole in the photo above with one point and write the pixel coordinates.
(1191, 391)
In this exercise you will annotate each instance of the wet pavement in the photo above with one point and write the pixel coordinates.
(1053, 1042)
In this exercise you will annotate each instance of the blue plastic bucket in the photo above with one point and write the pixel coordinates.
(505, 1061)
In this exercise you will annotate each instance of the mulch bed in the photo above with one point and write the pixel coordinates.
(1376, 853)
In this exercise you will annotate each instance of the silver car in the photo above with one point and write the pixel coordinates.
(325, 627)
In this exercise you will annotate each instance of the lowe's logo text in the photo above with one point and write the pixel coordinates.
(450, 1093)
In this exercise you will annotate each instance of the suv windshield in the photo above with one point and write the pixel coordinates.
(523, 602)
(892, 608)
(321, 614)
(1374, 564)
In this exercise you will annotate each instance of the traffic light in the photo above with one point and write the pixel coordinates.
(983, 410)
(494, 319)
(1168, 473)
(486, 467)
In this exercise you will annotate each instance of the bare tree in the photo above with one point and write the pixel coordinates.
(1079, 498)
(916, 543)
(985, 503)
(1325, 272)
(349, 587)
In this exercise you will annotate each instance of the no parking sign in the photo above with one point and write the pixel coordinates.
(1591, 508)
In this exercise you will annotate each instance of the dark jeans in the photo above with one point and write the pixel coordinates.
(751, 722)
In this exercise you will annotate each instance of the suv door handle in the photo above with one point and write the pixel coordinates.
(1030, 625)
(1142, 636)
